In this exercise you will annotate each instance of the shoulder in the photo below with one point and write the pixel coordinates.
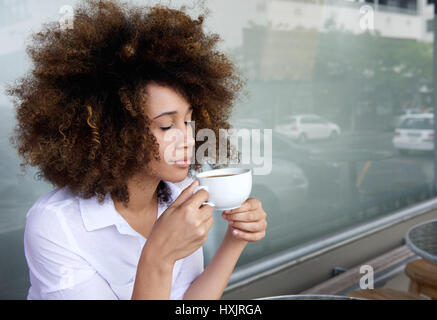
(45, 217)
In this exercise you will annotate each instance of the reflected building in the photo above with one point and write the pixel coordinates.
(307, 54)
(400, 19)
(13, 11)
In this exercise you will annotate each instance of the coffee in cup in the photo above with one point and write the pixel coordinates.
(220, 175)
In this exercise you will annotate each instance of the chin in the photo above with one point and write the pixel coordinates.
(176, 174)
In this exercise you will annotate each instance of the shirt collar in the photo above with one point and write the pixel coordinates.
(177, 187)
(97, 215)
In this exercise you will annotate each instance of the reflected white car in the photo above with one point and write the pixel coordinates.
(415, 132)
(308, 127)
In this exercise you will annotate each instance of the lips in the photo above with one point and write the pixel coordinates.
(183, 162)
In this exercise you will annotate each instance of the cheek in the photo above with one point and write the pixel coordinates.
(163, 145)
(166, 150)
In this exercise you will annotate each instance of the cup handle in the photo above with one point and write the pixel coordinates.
(209, 203)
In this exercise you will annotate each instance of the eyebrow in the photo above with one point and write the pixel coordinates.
(171, 112)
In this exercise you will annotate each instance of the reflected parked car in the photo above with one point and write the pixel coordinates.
(284, 188)
(308, 127)
(399, 119)
(415, 132)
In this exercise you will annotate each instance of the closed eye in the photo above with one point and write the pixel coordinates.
(167, 128)
(187, 123)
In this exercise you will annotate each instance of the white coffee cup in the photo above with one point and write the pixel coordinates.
(228, 188)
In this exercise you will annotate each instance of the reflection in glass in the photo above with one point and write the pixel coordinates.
(334, 94)
(415, 133)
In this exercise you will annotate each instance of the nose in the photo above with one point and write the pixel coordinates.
(186, 140)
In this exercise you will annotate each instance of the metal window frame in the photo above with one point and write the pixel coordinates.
(435, 97)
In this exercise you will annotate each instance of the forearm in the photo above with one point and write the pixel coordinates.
(153, 278)
(212, 282)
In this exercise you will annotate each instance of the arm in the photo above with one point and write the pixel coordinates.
(213, 280)
(179, 231)
(249, 220)
(153, 278)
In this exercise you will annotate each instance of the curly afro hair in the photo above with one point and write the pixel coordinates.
(80, 111)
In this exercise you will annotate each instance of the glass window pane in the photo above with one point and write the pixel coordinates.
(18, 190)
(361, 67)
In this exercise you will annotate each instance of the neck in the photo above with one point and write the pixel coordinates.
(143, 196)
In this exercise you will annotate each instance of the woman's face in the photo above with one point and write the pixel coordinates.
(170, 116)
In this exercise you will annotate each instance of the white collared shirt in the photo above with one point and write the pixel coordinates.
(79, 249)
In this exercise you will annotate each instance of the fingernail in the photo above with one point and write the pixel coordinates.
(231, 222)
(196, 183)
(235, 231)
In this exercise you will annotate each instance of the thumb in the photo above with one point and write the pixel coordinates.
(185, 194)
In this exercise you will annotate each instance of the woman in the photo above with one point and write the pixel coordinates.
(123, 222)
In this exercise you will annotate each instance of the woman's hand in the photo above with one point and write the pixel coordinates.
(183, 227)
(248, 221)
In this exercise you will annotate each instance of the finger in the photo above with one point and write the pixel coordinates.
(248, 205)
(248, 236)
(197, 199)
(257, 226)
(185, 194)
(244, 207)
(247, 216)
(209, 222)
(205, 213)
